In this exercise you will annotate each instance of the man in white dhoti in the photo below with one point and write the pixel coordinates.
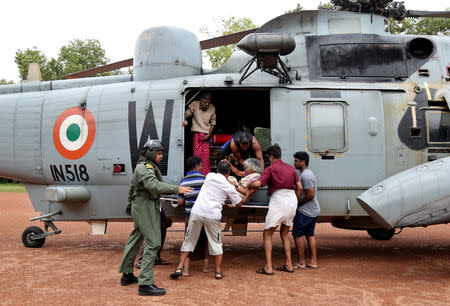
(285, 190)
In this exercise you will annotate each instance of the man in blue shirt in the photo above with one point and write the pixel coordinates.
(195, 179)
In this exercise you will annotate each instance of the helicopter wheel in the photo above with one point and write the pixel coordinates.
(27, 235)
(381, 233)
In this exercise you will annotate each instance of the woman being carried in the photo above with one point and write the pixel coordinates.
(251, 173)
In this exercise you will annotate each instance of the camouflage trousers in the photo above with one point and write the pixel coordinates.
(146, 216)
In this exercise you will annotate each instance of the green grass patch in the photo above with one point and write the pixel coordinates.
(12, 187)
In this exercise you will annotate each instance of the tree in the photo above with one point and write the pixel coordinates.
(5, 82)
(298, 8)
(76, 56)
(33, 55)
(326, 6)
(80, 55)
(218, 56)
(421, 26)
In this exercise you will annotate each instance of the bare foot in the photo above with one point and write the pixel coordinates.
(300, 266)
(312, 266)
(186, 268)
(268, 270)
(205, 269)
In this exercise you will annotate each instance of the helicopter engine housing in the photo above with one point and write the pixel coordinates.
(166, 52)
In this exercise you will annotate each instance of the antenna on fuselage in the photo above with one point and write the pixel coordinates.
(34, 73)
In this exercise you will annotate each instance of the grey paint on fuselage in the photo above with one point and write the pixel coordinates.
(127, 112)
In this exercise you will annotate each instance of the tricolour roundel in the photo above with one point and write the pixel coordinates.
(74, 132)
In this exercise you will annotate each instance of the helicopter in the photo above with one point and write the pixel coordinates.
(371, 109)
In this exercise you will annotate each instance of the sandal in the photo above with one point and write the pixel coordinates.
(263, 271)
(219, 275)
(177, 273)
(284, 269)
(297, 266)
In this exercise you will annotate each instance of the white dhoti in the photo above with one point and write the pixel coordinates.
(282, 208)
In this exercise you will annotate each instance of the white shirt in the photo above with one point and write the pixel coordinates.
(212, 196)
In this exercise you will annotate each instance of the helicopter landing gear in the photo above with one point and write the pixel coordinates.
(381, 233)
(34, 237)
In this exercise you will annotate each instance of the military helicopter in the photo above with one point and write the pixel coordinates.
(371, 108)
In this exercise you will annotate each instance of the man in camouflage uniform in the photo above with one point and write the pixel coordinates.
(143, 203)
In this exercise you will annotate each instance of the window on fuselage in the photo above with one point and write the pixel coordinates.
(327, 127)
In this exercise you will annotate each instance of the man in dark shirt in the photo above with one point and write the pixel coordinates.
(285, 190)
(243, 145)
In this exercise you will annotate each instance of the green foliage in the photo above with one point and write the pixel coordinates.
(24, 58)
(421, 26)
(218, 56)
(326, 6)
(80, 55)
(298, 8)
(5, 82)
(76, 56)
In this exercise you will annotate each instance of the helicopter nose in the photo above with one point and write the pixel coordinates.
(419, 196)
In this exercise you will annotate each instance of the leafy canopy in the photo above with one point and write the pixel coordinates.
(218, 56)
(5, 82)
(421, 26)
(298, 8)
(76, 56)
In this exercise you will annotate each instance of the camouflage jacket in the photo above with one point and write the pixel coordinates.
(147, 181)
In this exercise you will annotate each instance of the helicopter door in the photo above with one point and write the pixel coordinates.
(343, 132)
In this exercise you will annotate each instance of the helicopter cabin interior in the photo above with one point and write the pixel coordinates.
(236, 110)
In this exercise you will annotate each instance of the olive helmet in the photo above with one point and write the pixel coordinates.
(150, 148)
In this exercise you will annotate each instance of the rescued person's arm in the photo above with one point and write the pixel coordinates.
(255, 185)
(239, 188)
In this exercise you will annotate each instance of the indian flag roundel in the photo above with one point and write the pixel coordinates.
(74, 132)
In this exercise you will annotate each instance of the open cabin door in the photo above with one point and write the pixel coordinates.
(342, 131)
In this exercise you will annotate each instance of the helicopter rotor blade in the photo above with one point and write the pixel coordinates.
(100, 69)
(204, 45)
(224, 40)
(432, 14)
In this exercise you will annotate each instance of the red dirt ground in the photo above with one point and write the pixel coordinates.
(77, 268)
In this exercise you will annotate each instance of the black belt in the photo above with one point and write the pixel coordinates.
(143, 194)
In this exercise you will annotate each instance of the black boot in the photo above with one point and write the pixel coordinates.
(161, 262)
(151, 290)
(128, 279)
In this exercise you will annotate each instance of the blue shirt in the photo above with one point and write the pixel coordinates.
(195, 180)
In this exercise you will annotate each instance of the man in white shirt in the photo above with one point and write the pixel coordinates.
(206, 213)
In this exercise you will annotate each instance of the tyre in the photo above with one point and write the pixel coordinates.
(30, 232)
(381, 233)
